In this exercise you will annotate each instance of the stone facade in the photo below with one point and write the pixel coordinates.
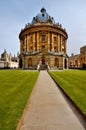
(7, 61)
(43, 44)
(74, 61)
(78, 61)
(83, 57)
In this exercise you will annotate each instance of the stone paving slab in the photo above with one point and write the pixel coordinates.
(48, 110)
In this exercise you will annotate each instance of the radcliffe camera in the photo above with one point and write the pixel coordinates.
(43, 44)
(43, 65)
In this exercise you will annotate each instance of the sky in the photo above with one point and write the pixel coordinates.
(14, 14)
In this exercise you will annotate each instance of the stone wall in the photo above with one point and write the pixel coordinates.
(78, 61)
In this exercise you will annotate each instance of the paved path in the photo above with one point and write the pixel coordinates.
(48, 110)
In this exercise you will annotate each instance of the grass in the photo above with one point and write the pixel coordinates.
(73, 82)
(15, 89)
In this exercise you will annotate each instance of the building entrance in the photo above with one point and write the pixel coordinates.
(65, 63)
(43, 61)
(20, 63)
(43, 65)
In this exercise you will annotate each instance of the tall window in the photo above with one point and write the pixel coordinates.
(20, 63)
(54, 39)
(43, 47)
(31, 39)
(55, 49)
(29, 62)
(43, 38)
(56, 62)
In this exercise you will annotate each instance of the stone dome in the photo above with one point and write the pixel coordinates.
(43, 17)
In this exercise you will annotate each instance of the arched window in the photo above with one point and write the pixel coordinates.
(29, 62)
(20, 63)
(56, 62)
(65, 63)
(43, 61)
(43, 38)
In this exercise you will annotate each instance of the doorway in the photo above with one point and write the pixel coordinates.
(43, 61)
(65, 63)
(20, 63)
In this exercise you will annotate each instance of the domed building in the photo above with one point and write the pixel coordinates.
(43, 44)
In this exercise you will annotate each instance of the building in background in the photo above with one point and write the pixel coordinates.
(83, 57)
(74, 61)
(78, 61)
(7, 61)
(43, 44)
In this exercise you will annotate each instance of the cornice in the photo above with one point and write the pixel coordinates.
(43, 27)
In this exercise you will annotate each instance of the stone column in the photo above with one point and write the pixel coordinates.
(23, 45)
(35, 41)
(38, 46)
(65, 46)
(61, 44)
(48, 41)
(26, 43)
(67, 62)
(63, 62)
(52, 44)
(23, 62)
(58, 43)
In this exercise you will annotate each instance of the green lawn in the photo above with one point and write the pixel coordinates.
(73, 82)
(15, 89)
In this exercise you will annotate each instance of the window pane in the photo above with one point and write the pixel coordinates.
(43, 46)
(43, 38)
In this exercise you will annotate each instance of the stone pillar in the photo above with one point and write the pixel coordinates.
(52, 43)
(22, 45)
(23, 62)
(38, 46)
(63, 62)
(26, 62)
(48, 41)
(26, 43)
(58, 43)
(67, 62)
(65, 46)
(61, 44)
(35, 41)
